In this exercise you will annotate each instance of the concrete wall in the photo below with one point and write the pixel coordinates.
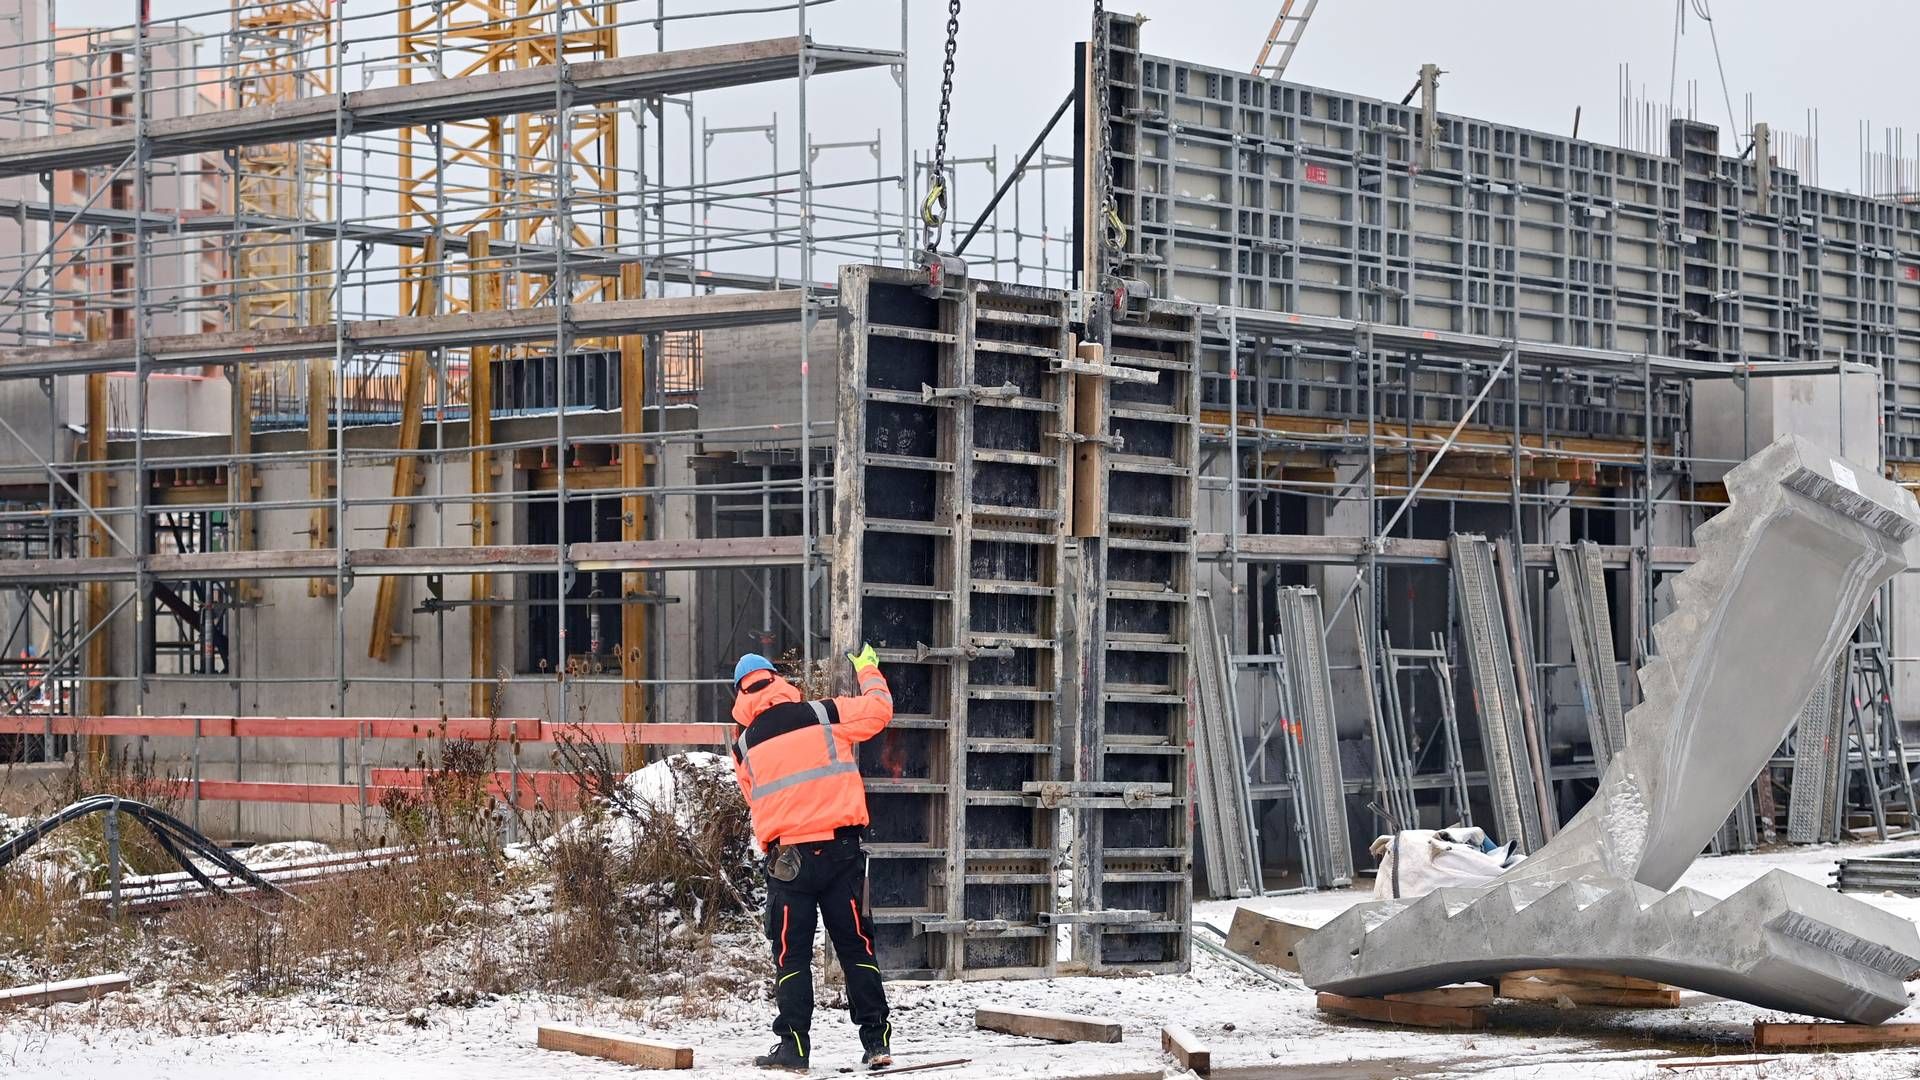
(752, 377)
(1734, 419)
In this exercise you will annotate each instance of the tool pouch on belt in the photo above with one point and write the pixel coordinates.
(785, 864)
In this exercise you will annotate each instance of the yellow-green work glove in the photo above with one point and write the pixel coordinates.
(864, 659)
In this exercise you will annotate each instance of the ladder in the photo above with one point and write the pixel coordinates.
(1871, 703)
(1283, 38)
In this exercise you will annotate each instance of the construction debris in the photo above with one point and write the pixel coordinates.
(1804, 533)
(1265, 939)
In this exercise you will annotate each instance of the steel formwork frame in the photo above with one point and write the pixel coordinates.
(1033, 602)
(1411, 304)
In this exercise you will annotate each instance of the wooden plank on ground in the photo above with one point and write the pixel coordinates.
(1186, 1049)
(1619, 997)
(1770, 1035)
(613, 1046)
(1464, 997)
(1054, 1026)
(49, 993)
(1265, 939)
(1411, 1014)
(1587, 977)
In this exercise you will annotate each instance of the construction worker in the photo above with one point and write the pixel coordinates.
(799, 769)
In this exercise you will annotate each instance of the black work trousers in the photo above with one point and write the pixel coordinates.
(831, 883)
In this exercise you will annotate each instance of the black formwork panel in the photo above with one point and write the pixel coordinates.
(1143, 669)
(949, 531)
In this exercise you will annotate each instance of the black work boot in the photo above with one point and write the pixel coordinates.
(789, 1053)
(879, 1053)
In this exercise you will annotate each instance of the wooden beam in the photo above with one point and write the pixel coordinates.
(1619, 997)
(633, 508)
(406, 465)
(1053, 1026)
(486, 295)
(1411, 1014)
(1472, 438)
(1187, 1050)
(596, 1042)
(1090, 404)
(1771, 1035)
(1587, 977)
(1463, 997)
(240, 537)
(49, 993)
(320, 525)
(98, 695)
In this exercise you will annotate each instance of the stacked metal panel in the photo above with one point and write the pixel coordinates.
(1133, 763)
(1819, 751)
(950, 499)
(1308, 700)
(1496, 697)
(1583, 590)
(1240, 190)
(1223, 806)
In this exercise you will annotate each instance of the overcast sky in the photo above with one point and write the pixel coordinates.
(1526, 62)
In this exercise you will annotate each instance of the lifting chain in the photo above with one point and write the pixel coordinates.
(933, 211)
(1113, 230)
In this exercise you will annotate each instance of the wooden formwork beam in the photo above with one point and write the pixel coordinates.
(98, 696)
(613, 1046)
(485, 297)
(240, 473)
(320, 523)
(406, 464)
(633, 510)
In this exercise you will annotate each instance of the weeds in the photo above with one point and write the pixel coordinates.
(637, 878)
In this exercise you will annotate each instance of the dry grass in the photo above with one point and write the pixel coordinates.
(663, 914)
(634, 883)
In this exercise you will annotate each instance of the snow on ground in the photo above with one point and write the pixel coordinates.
(1257, 1029)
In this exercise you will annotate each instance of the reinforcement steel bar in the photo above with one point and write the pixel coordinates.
(529, 90)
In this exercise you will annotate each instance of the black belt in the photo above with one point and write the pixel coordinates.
(855, 833)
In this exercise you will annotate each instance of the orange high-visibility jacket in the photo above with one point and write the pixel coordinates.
(796, 759)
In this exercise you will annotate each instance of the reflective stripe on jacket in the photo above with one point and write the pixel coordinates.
(797, 760)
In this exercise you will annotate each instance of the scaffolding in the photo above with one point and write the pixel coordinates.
(420, 253)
